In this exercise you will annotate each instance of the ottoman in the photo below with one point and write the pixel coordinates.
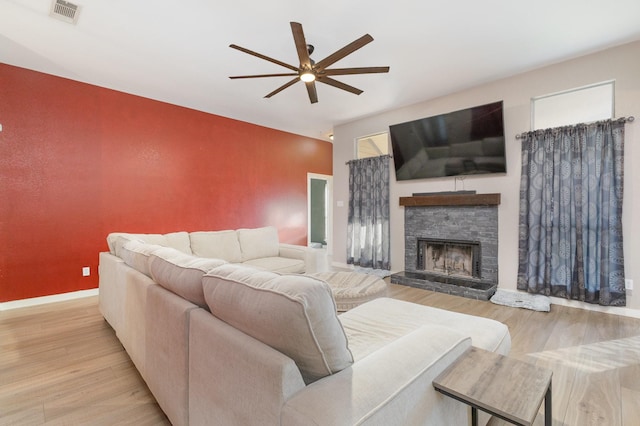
(351, 289)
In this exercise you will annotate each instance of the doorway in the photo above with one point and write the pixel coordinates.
(319, 196)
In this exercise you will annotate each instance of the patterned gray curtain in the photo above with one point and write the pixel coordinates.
(368, 223)
(570, 240)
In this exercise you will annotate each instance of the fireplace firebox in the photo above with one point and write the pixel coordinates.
(449, 257)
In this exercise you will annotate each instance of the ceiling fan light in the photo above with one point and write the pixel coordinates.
(307, 76)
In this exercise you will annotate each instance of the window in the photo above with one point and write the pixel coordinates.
(372, 146)
(580, 105)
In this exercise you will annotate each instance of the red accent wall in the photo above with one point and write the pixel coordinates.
(79, 161)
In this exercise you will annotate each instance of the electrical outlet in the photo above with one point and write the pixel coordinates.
(86, 271)
(628, 284)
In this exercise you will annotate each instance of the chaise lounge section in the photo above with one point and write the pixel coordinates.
(227, 343)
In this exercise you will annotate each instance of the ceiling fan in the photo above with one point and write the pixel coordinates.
(310, 71)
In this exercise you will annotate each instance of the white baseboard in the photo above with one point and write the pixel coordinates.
(615, 310)
(34, 301)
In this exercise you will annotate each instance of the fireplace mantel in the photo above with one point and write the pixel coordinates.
(451, 200)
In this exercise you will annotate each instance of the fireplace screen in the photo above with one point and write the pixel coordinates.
(457, 258)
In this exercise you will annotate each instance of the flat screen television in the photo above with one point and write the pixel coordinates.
(465, 142)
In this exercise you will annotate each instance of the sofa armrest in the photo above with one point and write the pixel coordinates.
(308, 254)
(292, 251)
(233, 378)
(390, 386)
(166, 351)
(314, 259)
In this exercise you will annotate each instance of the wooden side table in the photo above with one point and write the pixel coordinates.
(507, 388)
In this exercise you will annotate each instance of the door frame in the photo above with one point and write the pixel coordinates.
(328, 206)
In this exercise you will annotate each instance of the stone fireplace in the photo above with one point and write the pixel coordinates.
(451, 244)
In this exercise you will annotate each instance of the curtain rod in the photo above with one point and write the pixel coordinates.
(357, 159)
(621, 119)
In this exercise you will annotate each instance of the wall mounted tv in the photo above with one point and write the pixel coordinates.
(465, 142)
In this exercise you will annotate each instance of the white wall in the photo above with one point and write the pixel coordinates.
(621, 63)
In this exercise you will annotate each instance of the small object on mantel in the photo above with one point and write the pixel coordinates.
(452, 200)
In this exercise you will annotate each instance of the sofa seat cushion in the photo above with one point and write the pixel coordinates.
(136, 253)
(181, 273)
(258, 242)
(293, 314)
(374, 324)
(283, 265)
(177, 240)
(217, 244)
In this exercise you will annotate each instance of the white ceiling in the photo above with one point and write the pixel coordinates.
(178, 51)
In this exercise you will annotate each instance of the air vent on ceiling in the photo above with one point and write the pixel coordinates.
(65, 11)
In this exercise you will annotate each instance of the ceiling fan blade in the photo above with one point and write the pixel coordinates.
(341, 53)
(363, 70)
(311, 89)
(261, 56)
(286, 74)
(284, 86)
(301, 45)
(339, 85)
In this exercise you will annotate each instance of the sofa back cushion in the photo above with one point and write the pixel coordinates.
(181, 273)
(294, 314)
(258, 243)
(217, 244)
(177, 240)
(136, 253)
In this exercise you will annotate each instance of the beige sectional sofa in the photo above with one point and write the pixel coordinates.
(231, 344)
(258, 247)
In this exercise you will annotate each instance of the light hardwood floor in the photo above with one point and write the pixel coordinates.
(61, 363)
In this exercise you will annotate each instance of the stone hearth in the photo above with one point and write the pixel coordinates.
(471, 218)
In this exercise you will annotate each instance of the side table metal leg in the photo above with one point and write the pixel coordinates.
(548, 417)
(474, 416)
